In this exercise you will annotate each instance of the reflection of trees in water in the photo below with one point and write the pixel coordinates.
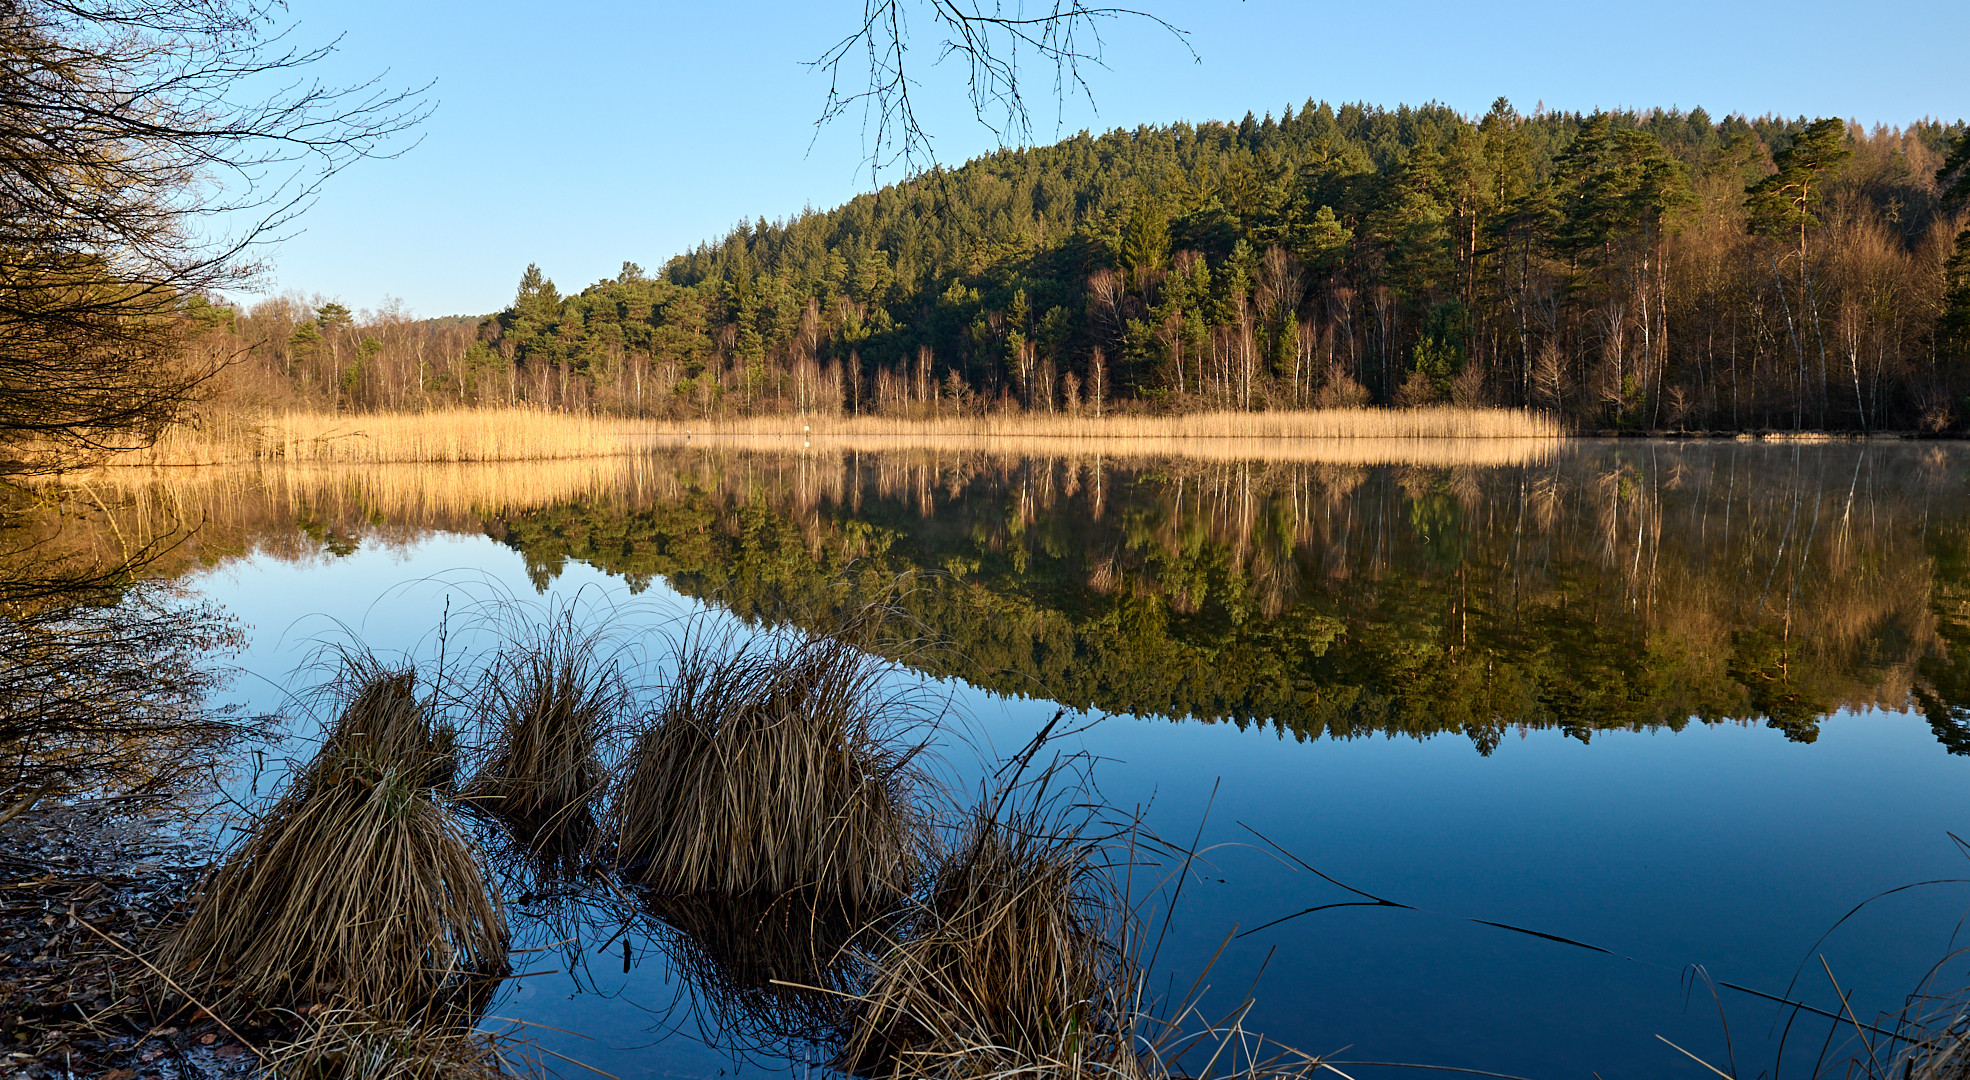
(1944, 687)
(107, 698)
(1614, 588)
(1620, 586)
(103, 675)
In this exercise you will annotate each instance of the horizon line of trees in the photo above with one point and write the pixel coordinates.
(1648, 270)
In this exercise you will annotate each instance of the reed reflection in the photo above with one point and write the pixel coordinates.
(1588, 588)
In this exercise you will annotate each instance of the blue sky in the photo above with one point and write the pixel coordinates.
(584, 133)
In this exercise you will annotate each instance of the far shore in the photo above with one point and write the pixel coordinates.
(1354, 436)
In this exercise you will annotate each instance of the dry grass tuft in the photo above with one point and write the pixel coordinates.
(1934, 1032)
(554, 698)
(1010, 963)
(349, 1044)
(1946, 1058)
(772, 767)
(384, 724)
(1022, 954)
(356, 884)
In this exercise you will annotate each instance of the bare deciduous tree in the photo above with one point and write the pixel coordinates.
(989, 39)
(148, 150)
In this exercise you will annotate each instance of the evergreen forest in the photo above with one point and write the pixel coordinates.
(1654, 270)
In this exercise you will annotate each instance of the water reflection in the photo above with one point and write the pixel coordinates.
(762, 972)
(104, 672)
(1628, 586)
(1600, 587)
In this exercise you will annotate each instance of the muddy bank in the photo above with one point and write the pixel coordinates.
(81, 888)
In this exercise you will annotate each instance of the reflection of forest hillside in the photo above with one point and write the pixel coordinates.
(1616, 587)
(1610, 587)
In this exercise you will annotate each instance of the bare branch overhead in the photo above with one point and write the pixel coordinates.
(989, 39)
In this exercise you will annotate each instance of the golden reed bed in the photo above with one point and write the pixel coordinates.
(418, 494)
(465, 435)
(151, 503)
(1438, 422)
(1353, 436)
(1359, 450)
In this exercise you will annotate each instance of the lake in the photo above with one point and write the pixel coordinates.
(1606, 724)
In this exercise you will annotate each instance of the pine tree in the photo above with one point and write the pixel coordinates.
(1954, 177)
(332, 316)
(1145, 242)
(1789, 199)
(1953, 328)
(537, 299)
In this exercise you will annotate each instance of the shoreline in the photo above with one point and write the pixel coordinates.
(528, 435)
(1358, 436)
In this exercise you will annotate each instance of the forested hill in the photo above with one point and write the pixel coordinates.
(1658, 269)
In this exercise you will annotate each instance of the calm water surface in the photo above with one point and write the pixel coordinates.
(1688, 704)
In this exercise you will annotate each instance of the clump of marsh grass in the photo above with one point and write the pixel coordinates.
(355, 885)
(383, 721)
(774, 766)
(553, 698)
(359, 887)
(1023, 959)
(352, 1044)
(1022, 955)
(1010, 960)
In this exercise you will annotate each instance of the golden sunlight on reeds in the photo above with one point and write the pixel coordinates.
(1442, 422)
(1350, 436)
(410, 494)
(460, 435)
(1138, 450)
(462, 494)
(1433, 436)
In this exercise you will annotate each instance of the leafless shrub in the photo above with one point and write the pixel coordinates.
(1340, 391)
(1467, 387)
(130, 137)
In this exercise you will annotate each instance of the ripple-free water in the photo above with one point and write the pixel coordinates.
(1660, 700)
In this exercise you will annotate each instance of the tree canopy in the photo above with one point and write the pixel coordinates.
(143, 160)
(1656, 269)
